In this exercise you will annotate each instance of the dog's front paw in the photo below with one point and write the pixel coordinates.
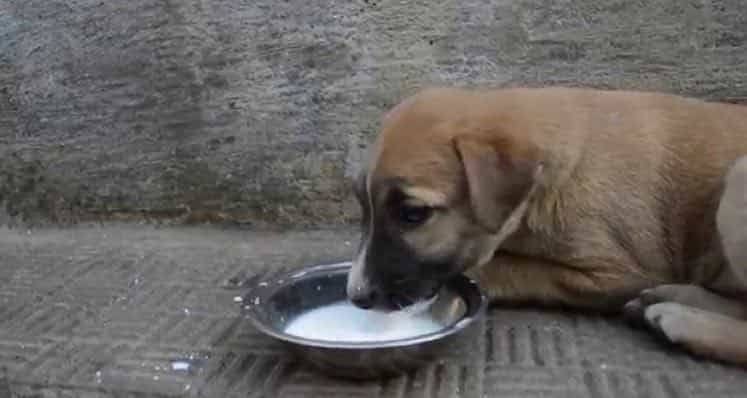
(635, 309)
(673, 321)
(666, 311)
(702, 332)
(667, 319)
(687, 295)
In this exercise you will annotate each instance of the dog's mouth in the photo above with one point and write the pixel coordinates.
(411, 295)
(420, 306)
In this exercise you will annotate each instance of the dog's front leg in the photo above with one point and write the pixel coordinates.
(702, 332)
(703, 322)
(514, 279)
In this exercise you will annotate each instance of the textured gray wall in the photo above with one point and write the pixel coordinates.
(257, 110)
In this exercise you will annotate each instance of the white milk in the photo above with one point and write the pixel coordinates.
(343, 321)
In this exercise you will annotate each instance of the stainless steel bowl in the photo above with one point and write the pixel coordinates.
(272, 304)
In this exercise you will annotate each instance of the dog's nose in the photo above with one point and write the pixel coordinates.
(364, 299)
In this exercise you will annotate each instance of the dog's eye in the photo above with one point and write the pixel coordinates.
(413, 215)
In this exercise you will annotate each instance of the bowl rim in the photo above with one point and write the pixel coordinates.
(265, 288)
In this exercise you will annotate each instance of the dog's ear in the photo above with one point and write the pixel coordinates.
(499, 177)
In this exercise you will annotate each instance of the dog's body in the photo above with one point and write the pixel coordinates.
(563, 196)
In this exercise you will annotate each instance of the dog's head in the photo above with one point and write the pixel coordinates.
(445, 184)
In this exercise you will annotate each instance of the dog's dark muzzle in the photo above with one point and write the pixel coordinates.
(394, 296)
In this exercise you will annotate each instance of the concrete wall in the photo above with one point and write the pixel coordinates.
(257, 110)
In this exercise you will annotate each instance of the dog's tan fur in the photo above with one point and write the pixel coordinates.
(577, 197)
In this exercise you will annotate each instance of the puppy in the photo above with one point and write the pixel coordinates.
(559, 196)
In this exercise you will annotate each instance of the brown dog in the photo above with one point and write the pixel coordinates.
(574, 197)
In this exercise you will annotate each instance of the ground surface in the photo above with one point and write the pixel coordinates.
(126, 311)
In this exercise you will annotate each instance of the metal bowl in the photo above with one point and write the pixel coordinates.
(272, 304)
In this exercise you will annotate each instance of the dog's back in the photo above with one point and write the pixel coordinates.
(644, 168)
